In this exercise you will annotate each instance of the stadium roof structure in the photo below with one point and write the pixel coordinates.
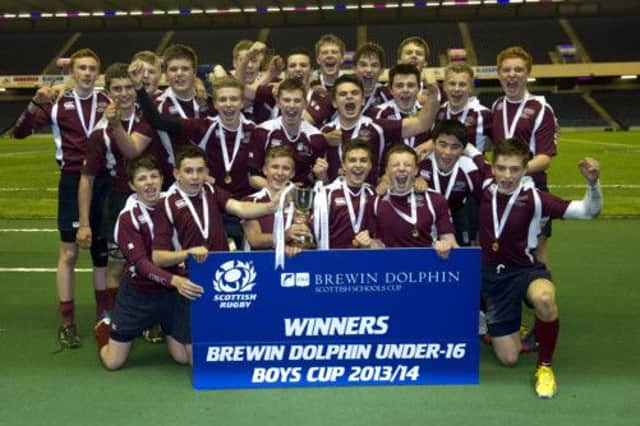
(131, 14)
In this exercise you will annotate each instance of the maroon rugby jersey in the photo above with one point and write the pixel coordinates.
(377, 133)
(477, 120)
(307, 145)
(70, 134)
(134, 233)
(103, 154)
(432, 215)
(519, 237)
(390, 111)
(206, 133)
(341, 231)
(537, 126)
(469, 175)
(169, 104)
(176, 228)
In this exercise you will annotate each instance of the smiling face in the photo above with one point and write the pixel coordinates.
(278, 171)
(457, 86)
(513, 75)
(84, 73)
(122, 89)
(228, 103)
(329, 59)
(150, 77)
(447, 150)
(348, 100)
(405, 88)
(368, 69)
(356, 165)
(292, 104)
(401, 170)
(191, 174)
(253, 65)
(147, 184)
(181, 75)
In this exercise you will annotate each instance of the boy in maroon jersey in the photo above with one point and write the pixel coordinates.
(278, 169)
(343, 209)
(72, 117)
(289, 130)
(191, 220)
(104, 158)
(147, 295)
(519, 114)
(409, 218)
(329, 51)
(348, 98)
(512, 213)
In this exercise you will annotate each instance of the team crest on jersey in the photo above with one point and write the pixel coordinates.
(364, 134)
(246, 138)
(425, 174)
(180, 204)
(340, 201)
(69, 105)
(172, 110)
(420, 201)
(522, 200)
(141, 219)
(459, 186)
(303, 149)
(528, 112)
(276, 142)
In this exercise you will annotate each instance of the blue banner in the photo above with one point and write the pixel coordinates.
(337, 317)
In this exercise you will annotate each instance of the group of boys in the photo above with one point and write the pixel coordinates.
(395, 165)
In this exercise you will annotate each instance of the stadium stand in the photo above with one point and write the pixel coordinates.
(285, 39)
(118, 46)
(213, 46)
(609, 40)
(440, 36)
(9, 113)
(539, 37)
(621, 104)
(41, 48)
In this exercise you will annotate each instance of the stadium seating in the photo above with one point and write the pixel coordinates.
(609, 40)
(538, 37)
(213, 46)
(28, 53)
(440, 36)
(118, 46)
(285, 39)
(621, 104)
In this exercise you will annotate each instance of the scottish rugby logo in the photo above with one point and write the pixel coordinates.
(235, 276)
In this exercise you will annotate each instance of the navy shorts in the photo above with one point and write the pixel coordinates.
(505, 288)
(136, 310)
(465, 221)
(68, 205)
(233, 229)
(113, 205)
(182, 320)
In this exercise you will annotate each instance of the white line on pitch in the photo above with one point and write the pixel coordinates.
(590, 142)
(582, 185)
(27, 189)
(29, 230)
(40, 270)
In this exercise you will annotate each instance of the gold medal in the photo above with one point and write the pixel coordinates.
(415, 233)
(227, 179)
(495, 246)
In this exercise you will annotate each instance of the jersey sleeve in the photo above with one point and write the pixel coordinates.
(553, 206)
(28, 122)
(132, 245)
(320, 108)
(443, 221)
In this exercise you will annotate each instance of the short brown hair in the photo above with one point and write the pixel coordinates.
(144, 161)
(401, 149)
(459, 68)
(369, 49)
(148, 57)
(117, 70)
(329, 39)
(225, 82)
(415, 40)
(280, 151)
(240, 46)
(190, 151)
(512, 147)
(515, 52)
(346, 78)
(181, 51)
(292, 84)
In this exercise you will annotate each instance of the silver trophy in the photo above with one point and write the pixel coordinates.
(303, 202)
